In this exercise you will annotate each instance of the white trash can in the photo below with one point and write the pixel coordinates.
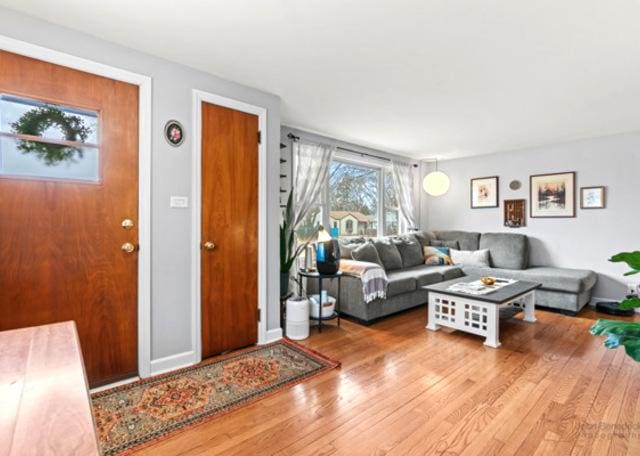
(297, 325)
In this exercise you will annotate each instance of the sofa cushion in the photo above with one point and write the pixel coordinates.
(366, 252)
(410, 250)
(348, 245)
(467, 240)
(448, 244)
(427, 275)
(424, 237)
(556, 279)
(507, 250)
(388, 253)
(399, 282)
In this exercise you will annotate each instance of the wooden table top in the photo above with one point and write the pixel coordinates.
(45, 408)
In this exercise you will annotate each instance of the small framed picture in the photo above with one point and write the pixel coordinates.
(592, 197)
(553, 195)
(484, 192)
(174, 133)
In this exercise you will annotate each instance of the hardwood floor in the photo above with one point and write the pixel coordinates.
(552, 388)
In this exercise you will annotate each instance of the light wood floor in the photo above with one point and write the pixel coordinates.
(550, 389)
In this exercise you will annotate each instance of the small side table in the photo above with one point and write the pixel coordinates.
(320, 277)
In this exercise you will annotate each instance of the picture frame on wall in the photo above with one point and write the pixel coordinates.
(553, 195)
(592, 197)
(515, 214)
(485, 192)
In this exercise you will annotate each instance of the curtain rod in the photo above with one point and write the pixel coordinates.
(344, 149)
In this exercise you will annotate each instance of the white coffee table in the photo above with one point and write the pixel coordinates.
(478, 314)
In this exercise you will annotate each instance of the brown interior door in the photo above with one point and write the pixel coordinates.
(229, 229)
(62, 205)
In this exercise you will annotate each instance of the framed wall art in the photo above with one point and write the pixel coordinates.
(592, 197)
(515, 215)
(553, 195)
(174, 133)
(484, 192)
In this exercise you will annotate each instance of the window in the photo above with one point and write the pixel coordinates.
(46, 140)
(362, 200)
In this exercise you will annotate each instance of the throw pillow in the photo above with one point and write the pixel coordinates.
(349, 245)
(424, 237)
(389, 254)
(447, 244)
(410, 250)
(366, 252)
(436, 255)
(479, 258)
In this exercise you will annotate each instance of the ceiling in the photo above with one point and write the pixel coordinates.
(422, 78)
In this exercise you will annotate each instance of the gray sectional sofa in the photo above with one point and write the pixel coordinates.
(567, 290)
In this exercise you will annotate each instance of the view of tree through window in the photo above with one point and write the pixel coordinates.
(391, 214)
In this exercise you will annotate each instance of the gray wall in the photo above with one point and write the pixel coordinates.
(171, 170)
(586, 241)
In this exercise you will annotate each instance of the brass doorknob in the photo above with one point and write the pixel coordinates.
(127, 224)
(128, 247)
(209, 245)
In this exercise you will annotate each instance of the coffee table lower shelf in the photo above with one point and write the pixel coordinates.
(476, 316)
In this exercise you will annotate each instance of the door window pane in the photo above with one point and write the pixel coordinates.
(45, 140)
(353, 199)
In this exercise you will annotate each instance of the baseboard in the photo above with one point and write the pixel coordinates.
(173, 362)
(272, 335)
(114, 384)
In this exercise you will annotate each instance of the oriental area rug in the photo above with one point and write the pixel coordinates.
(138, 414)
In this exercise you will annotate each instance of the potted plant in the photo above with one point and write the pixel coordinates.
(618, 332)
(288, 249)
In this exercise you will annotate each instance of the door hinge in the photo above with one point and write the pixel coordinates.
(259, 314)
(259, 137)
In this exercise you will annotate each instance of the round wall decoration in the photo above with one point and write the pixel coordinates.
(174, 133)
(515, 184)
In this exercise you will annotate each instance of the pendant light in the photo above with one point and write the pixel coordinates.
(436, 183)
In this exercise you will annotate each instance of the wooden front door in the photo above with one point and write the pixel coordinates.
(229, 229)
(68, 180)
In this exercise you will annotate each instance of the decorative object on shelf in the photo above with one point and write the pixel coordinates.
(288, 249)
(515, 185)
(327, 253)
(174, 133)
(436, 183)
(484, 192)
(592, 197)
(515, 213)
(618, 332)
(297, 323)
(553, 195)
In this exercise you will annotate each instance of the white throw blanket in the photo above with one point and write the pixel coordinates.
(372, 276)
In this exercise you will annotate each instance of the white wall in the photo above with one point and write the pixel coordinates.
(171, 314)
(586, 241)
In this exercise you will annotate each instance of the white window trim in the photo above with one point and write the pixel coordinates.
(381, 166)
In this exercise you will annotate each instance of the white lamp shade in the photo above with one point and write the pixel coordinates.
(436, 183)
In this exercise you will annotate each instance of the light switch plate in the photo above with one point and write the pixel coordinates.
(179, 201)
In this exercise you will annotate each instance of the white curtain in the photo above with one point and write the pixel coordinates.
(403, 179)
(311, 164)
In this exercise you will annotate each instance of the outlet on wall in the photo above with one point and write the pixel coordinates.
(632, 288)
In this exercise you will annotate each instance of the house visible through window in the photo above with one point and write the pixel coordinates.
(361, 200)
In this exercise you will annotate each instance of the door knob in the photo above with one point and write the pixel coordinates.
(127, 224)
(209, 245)
(128, 247)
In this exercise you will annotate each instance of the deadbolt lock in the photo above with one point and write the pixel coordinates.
(127, 224)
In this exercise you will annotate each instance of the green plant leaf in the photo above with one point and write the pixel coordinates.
(619, 333)
(631, 258)
(630, 303)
